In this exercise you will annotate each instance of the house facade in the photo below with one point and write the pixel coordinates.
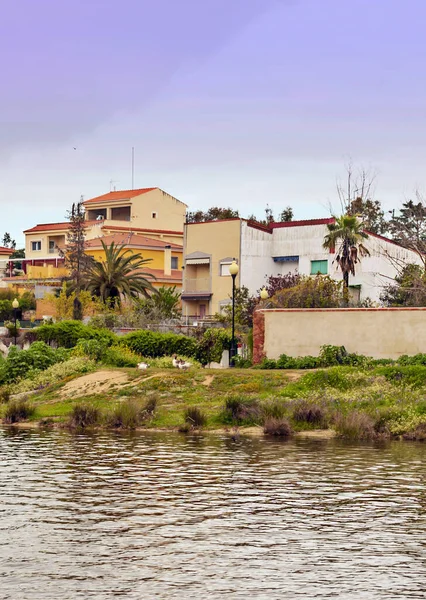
(278, 249)
(146, 212)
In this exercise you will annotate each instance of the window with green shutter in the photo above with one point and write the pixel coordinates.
(319, 266)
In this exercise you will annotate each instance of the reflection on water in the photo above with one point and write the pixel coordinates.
(166, 516)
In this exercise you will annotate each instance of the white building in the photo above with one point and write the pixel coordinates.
(277, 249)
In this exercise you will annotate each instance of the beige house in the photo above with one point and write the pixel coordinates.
(280, 248)
(148, 212)
(209, 249)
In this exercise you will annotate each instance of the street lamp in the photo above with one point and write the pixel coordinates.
(15, 306)
(233, 271)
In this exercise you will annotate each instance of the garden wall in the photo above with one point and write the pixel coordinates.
(376, 332)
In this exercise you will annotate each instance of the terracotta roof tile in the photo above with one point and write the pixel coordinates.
(120, 195)
(54, 226)
(131, 239)
(7, 251)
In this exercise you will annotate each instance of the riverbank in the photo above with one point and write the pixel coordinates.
(380, 403)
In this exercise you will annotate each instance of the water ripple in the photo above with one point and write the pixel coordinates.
(165, 516)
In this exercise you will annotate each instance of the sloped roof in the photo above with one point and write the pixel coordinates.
(130, 239)
(305, 222)
(55, 226)
(7, 251)
(120, 195)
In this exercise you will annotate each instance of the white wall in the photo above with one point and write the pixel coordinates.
(256, 262)
(372, 272)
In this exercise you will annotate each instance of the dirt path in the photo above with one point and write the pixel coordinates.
(93, 383)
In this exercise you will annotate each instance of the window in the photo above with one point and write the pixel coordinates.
(224, 269)
(319, 266)
(154, 215)
(175, 262)
(51, 247)
(35, 246)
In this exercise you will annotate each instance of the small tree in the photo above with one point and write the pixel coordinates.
(120, 274)
(7, 241)
(409, 227)
(408, 289)
(345, 236)
(76, 260)
(165, 304)
(215, 213)
(245, 305)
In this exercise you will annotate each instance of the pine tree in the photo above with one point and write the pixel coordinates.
(76, 260)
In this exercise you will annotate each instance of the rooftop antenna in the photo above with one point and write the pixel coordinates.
(133, 167)
(111, 186)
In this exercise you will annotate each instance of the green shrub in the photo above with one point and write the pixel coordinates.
(417, 359)
(94, 349)
(239, 410)
(268, 363)
(242, 363)
(413, 376)
(126, 415)
(4, 395)
(195, 417)
(68, 333)
(84, 415)
(77, 365)
(279, 427)
(121, 356)
(275, 410)
(212, 344)
(18, 410)
(27, 363)
(152, 344)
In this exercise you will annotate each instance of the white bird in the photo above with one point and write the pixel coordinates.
(184, 365)
(175, 361)
(143, 366)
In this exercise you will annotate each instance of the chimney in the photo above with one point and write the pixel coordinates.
(167, 260)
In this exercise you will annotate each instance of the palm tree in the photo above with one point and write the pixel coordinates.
(120, 274)
(346, 235)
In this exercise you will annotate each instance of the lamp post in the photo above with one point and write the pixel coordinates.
(15, 306)
(233, 271)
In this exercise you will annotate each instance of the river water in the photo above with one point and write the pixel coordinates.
(157, 515)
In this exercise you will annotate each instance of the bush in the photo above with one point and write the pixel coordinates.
(355, 426)
(413, 376)
(311, 292)
(126, 415)
(121, 356)
(239, 410)
(312, 414)
(18, 410)
(94, 349)
(84, 415)
(68, 333)
(25, 363)
(278, 427)
(4, 395)
(152, 344)
(212, 344)
(275, 410)
(195, 417)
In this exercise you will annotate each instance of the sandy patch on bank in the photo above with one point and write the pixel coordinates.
(93, 383)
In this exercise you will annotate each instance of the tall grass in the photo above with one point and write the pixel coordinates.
(84, 415)
(355, 425)
(195, 417)
(279, 427)
(18, 410)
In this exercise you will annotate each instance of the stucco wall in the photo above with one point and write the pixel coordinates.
(256, 259)
(380, 333)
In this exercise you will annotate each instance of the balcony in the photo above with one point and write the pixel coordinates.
(196, 287)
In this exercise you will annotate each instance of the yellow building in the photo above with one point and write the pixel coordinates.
(147, 212)
(209, 249)
(165, 257)
(5, 254)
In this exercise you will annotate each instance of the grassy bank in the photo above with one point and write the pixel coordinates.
(380, 403)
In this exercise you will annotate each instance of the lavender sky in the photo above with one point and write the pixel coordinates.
(227, 102)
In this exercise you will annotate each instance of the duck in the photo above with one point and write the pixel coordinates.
(184, 365)
(175, 361)
(143, 366)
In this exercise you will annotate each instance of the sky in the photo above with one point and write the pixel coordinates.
(241, 103)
